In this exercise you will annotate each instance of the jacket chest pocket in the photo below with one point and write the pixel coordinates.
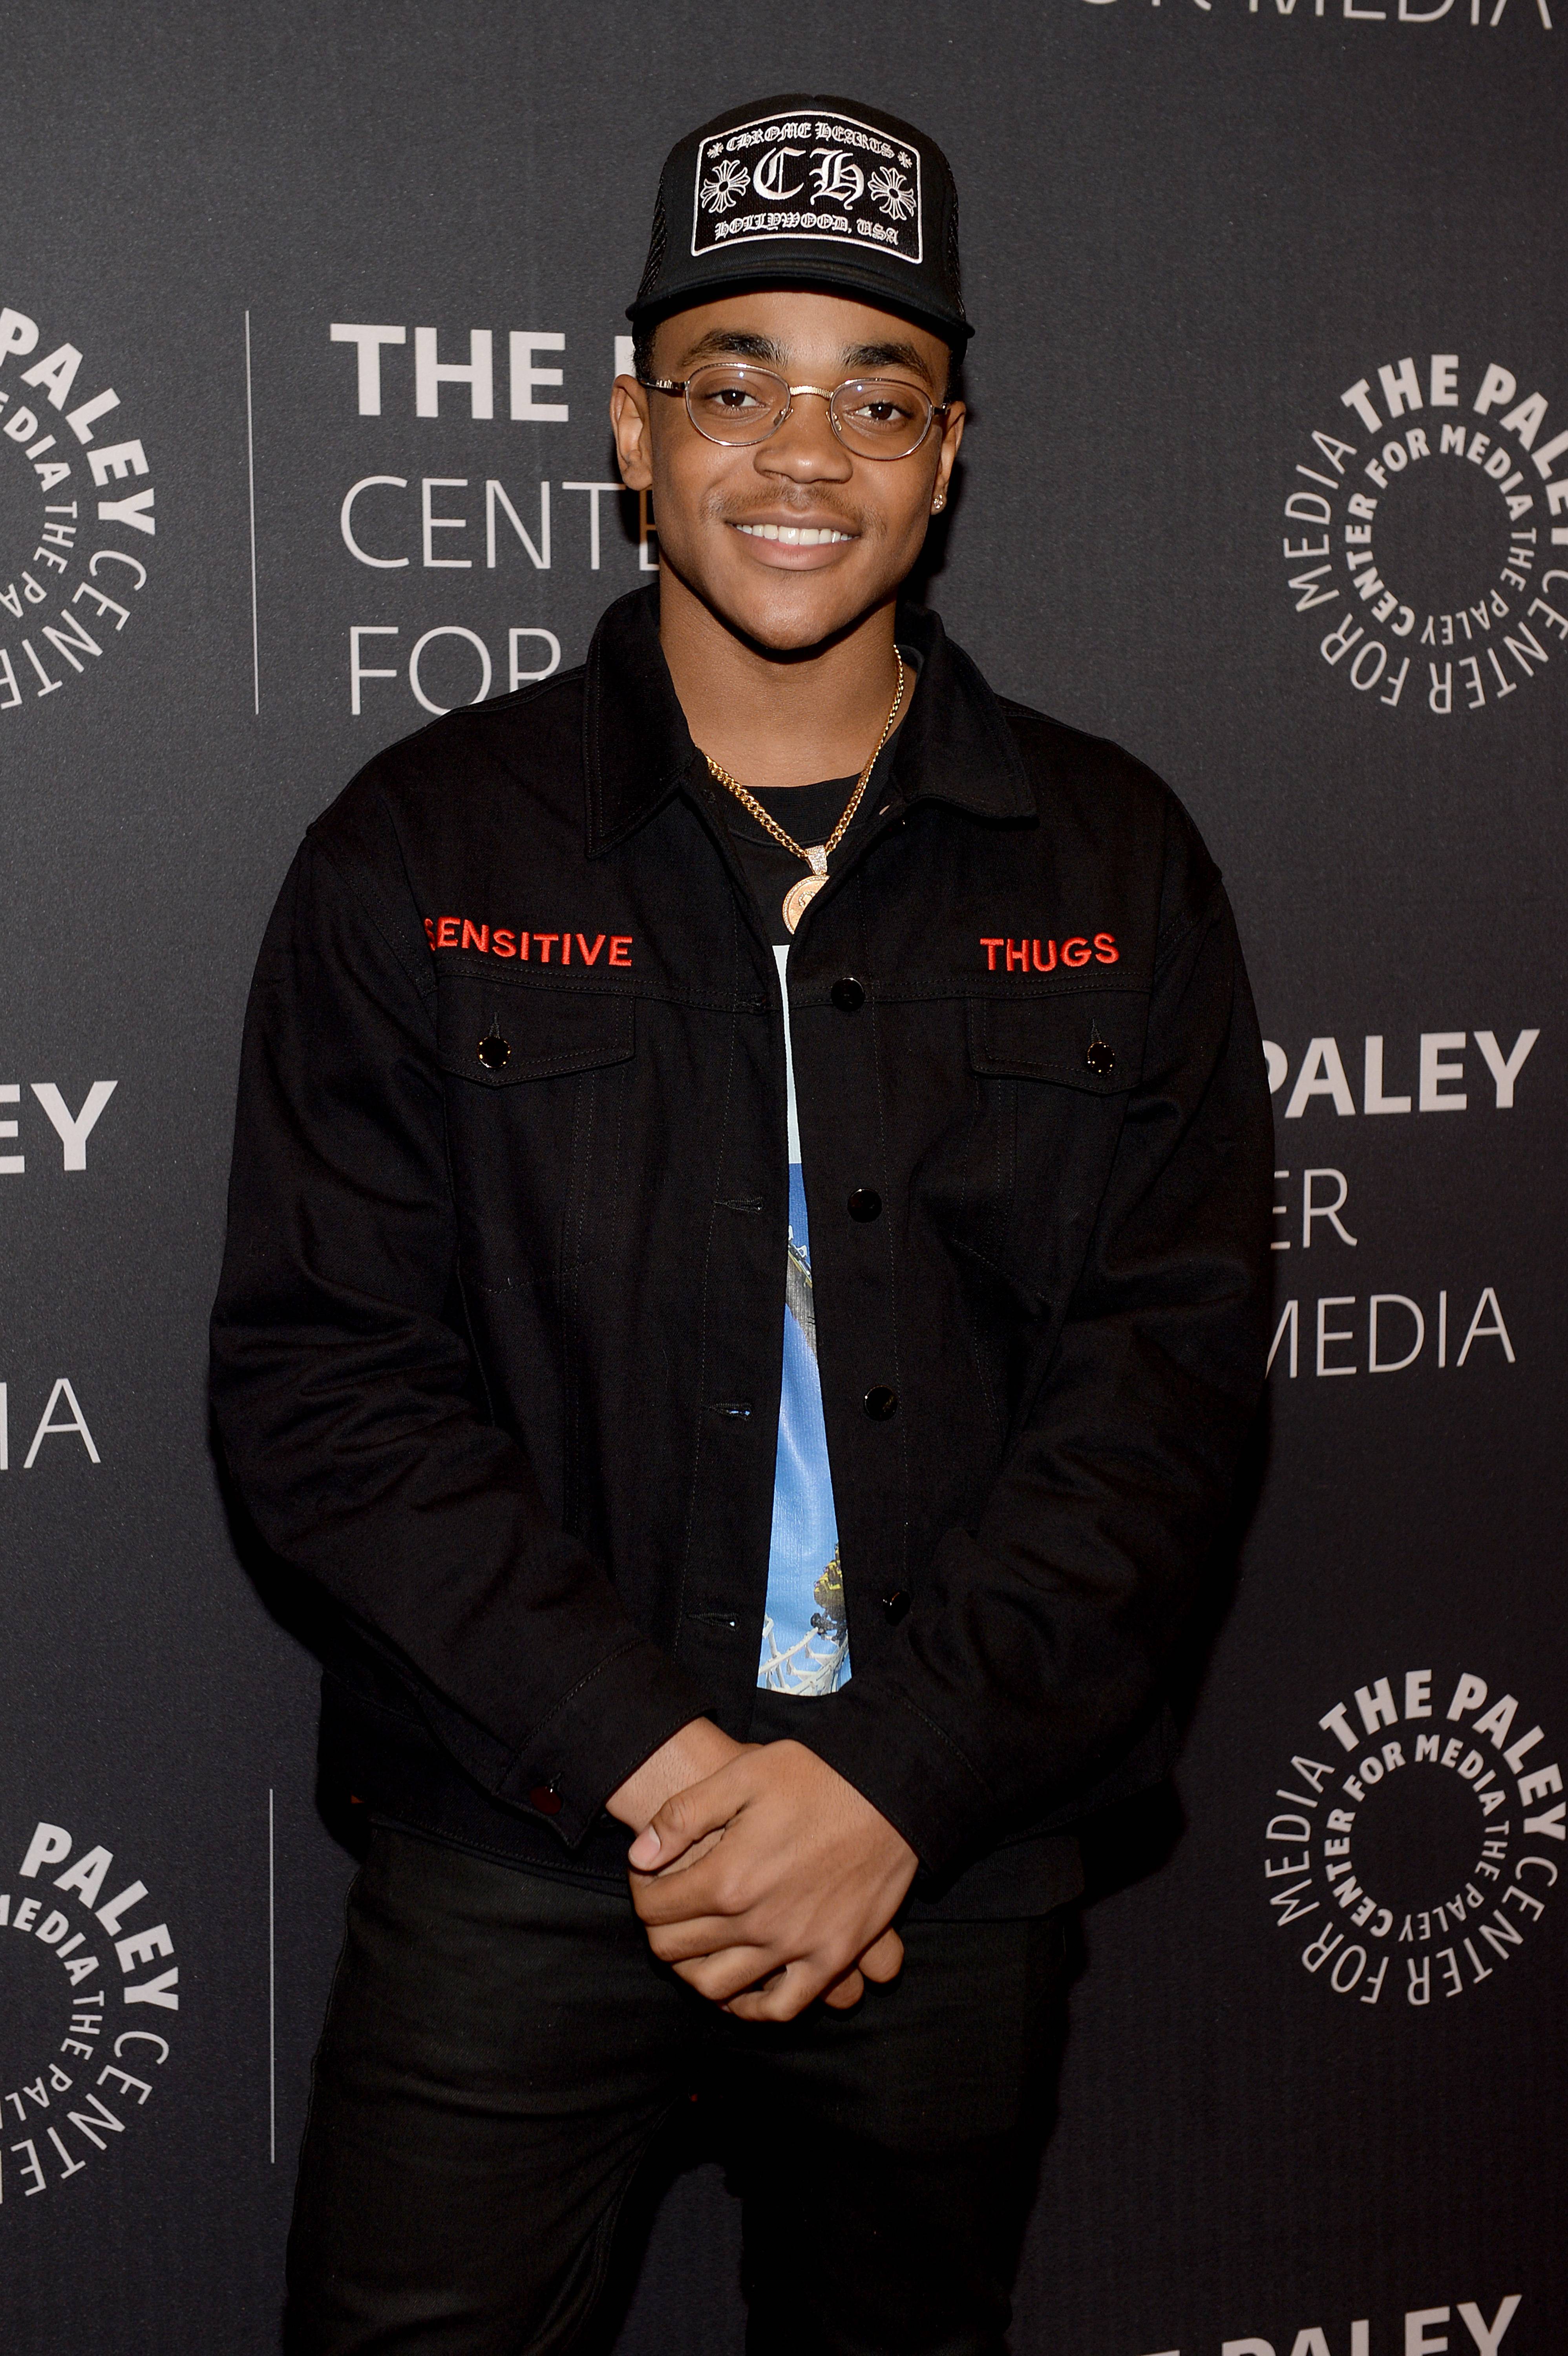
(536, 1083)
(1052, 1076)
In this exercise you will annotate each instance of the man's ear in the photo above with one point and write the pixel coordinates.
(952, 435)
(632, 426)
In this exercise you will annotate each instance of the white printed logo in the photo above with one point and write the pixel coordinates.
(822, 175)
(769, 179)
(891, 194)
(1409, 14)
(1425, 548)
(834, 179)
(72, 506)
(1418, 2330)
(1419, 1861)
(723, 190)
(89, 2007)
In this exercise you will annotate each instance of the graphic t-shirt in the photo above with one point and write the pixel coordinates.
(806, 1634)
(805, 1631)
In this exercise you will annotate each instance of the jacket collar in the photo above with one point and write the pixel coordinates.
(955, 747)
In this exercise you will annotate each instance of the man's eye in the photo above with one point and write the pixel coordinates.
(885, 411)
(730, 400)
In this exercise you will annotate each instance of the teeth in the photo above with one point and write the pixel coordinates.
(793, 535)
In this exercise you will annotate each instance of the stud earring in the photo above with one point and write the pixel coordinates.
(938, 503)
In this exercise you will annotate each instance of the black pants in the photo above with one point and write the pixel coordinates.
(501, 2051)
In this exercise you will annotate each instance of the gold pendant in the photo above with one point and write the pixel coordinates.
(799, 896)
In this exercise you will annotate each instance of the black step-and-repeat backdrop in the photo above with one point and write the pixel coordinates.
(307, 323)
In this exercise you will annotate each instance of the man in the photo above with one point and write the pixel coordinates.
(767, 981)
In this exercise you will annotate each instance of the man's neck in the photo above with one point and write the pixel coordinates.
(779, 720)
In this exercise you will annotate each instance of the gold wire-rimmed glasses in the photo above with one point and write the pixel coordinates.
(734, 403)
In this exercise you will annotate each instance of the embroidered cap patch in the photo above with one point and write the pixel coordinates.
(822, 175)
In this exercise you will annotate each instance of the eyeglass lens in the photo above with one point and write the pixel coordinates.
(876, 417)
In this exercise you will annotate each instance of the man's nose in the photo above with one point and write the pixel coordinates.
(805, 449)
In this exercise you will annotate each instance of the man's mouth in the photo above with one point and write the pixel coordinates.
(794, 535)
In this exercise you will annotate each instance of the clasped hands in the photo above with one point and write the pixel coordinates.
(762, 1876)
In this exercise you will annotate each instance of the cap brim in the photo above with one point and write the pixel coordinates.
(867, 286)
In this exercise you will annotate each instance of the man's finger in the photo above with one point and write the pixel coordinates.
(719, 1977)
(786, 1994)
(693, 1855)
(845, 1992)
(684, 1817)
(702, 1934)
(718, 1884)
(884, 1959)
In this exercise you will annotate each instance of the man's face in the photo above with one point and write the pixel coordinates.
(710, 499)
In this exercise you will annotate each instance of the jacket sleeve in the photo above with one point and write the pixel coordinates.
(346, 1397)
(1035, 1643)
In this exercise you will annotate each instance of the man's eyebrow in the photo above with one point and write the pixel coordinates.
(734, 343)
(859, 357)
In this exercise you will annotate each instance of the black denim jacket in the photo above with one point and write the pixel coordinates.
(496, 1352)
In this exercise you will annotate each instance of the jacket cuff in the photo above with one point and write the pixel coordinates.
(598, 1735)
(910, 1771)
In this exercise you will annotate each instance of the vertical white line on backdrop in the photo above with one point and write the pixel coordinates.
(250, 468)
(272, 1991)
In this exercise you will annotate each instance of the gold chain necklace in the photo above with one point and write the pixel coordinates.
(818, 854)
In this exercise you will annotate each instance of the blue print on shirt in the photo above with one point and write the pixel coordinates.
(805, 1634)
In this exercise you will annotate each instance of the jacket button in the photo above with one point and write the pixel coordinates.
(880, 1402)
(1100, 1059)
(895, 1605)
(865, 1203)
(493, 1051)
(546, 1802)
(849, 995)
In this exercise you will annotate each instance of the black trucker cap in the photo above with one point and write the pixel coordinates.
(807, 191)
